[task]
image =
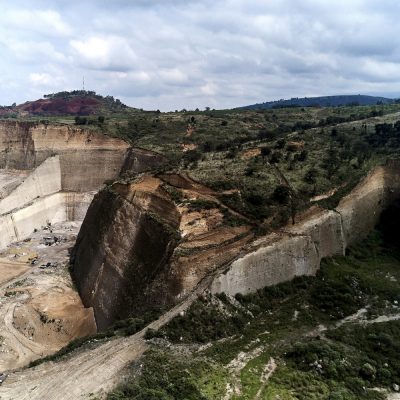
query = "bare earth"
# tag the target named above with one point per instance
(87, 373)
(40, 312)
(10, 270)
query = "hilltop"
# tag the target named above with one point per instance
(322, 101)
(74, 103)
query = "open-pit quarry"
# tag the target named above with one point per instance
(48, 177)
(143, 243)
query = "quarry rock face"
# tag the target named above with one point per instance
(51, 174)
(300, 248)
(140, 160)
(54, 171)
(128, 259)
(122, 250)
(87, 159)
(138, 251)
(281, 260)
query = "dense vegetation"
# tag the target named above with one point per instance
(324, 101)
(268, 164)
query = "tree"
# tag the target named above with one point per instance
(80, 120)
(275, 157)
(192, 156)
(265, 151)
(361, 150)
(264, 134)
(311, 176)
(302, 156)
(280, 144)
(281, 194)
(331, 162)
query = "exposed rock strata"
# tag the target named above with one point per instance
(139, 160)
(25, 145)
(58, 207)
(118, 258)
(298, 249)
(63, 166)
(127, 258)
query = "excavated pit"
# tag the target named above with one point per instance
(48, 177)
(137, 248)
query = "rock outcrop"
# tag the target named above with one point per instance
(298, 250)
(123, 248)
(87, 158)
(138, 250)
(54, 170)
(140, 160)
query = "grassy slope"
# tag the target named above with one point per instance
(337, 154)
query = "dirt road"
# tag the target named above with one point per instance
(88, 373)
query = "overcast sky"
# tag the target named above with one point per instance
(173, 54)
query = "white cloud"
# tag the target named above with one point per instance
(34, 51)
(108, 53)
(180, 54)
(39, 79)
(209, 89)
(173, 75)
(46, 22)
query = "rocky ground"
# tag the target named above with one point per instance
(40, 310)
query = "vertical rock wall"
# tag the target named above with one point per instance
(122, 250)
(43, 181)
(67, 165)
(298, 249)
(87, 158)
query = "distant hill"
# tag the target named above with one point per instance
(324, 101)
(77, 102)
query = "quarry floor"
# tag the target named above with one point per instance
(40, 311)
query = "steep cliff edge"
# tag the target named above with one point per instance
(125, 242)
(87, 158)
(138, 249)
(298, 250)
(127, 258)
